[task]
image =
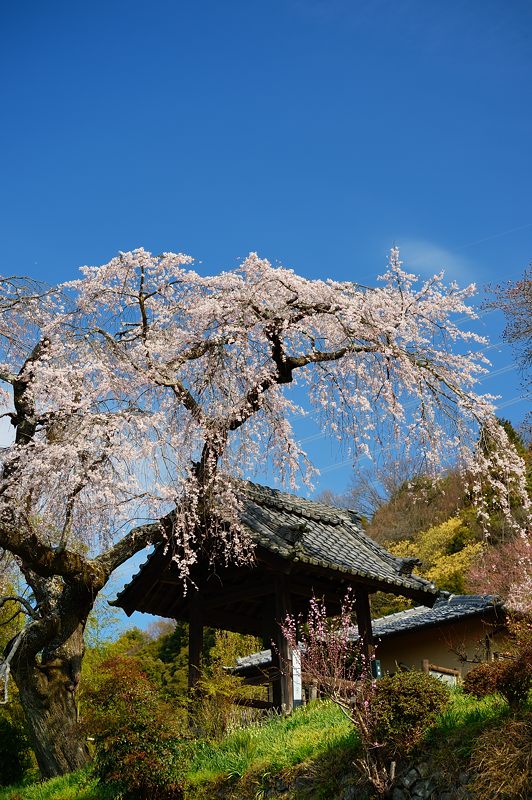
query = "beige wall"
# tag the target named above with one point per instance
(437, 644)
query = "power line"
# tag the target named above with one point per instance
(494, 236)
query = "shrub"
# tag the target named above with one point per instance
(483, 679)
(515, 680)
(403, 707)
(14, 751)
(140, 751)
(512, 679)
(214, 710)
(502, 760)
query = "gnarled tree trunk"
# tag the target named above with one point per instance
(45, 658)
(47, 689)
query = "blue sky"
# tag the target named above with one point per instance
(317, 132)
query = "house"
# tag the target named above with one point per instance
(458, 632)
(446, 640)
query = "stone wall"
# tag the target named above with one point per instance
(422, 782)
(419, 782)
(415, 782)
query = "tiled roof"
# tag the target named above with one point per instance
(447, 609)
(258, 660)
(306, 533)
(455, 607)
(309, 532)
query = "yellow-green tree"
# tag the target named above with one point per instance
(445, 551)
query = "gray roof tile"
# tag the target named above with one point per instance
(449, 609)
(314, 533)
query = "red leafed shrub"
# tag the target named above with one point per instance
(512, 679)
(483, 679)
(140, 752)
(515, 682)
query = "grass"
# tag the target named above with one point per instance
(316, 740)
(310, 736)
(280, 743)
(76, 786)
(318, 730)
(460, 724)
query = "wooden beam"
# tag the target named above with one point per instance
(195, 642)
(283, 694)
(225, 597)
(273, 562)
(365, 631)
(229, 621)
(340, 576)
(263, 679)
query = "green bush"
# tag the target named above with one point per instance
(15, 756)
(140, 752)
(404, 706)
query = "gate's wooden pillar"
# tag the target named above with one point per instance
(195, 641)
(365, 630)
(283, 690)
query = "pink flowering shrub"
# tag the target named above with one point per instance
(390, 714)
(506, 570)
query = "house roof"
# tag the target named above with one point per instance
(315, 538)
(445, 610)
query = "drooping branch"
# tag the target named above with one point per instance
(26, 607)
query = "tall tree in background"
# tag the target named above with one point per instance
(515, 299)
(136, 391)
(506, 567)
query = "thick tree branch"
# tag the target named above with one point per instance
(285, 365)
(133, 542)
(25, 418)
(7, 377)
(49, 561)
(33, 638)
(318, 357)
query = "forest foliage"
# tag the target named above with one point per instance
(436, 522)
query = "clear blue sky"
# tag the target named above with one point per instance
(318, 132)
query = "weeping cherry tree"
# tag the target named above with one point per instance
(141, 392)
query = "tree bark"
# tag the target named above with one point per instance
(46, 665)
(48, 696)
